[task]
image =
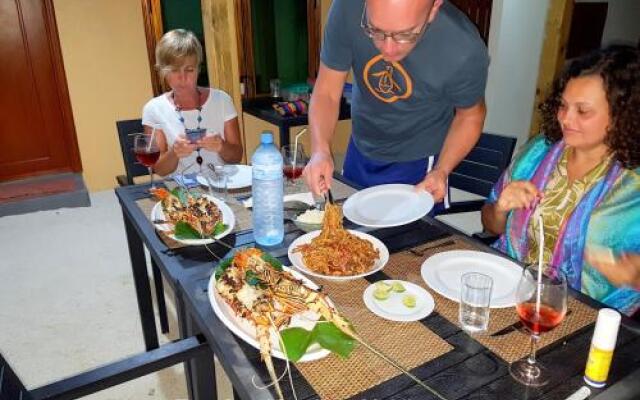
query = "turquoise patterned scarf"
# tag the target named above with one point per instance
(607, 215)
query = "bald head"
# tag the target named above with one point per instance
(397, 15)
(394, 16)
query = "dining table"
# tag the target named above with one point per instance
(435, 349)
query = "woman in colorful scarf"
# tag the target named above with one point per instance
(581, 176)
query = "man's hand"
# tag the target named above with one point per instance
(435, 183)
(319, 173)
(518, 195)
(182, 147)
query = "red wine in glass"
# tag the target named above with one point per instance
(539, 322)
(550, 296)
(148, 159)
(293, 172)
(145, 147)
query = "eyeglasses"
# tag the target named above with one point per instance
(398, 37)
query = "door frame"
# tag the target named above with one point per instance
(60, 77)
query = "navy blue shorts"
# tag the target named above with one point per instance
(367, 172)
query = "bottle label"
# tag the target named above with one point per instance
(598, 364)
(267, 172)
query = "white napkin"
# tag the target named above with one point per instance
(304, 197)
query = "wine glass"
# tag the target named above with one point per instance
(294, 162)
(541, 307)
(145, 147)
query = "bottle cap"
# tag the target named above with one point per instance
(606, 331)
(266, 137)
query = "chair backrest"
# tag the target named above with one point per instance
(484, 164)
(108, 375)
(126, 131)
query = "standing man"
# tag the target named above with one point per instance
(419, 71)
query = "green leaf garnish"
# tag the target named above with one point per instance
(277, 265)
(183, 230)
(219, 228)
(297, 340)
(253, 279)
(222, 266)
(181, 194)
(331, 338)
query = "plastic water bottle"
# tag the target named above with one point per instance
(267, 191)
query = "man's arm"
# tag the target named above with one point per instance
(323, 117)
(464, 132)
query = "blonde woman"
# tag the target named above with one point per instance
(194, 125)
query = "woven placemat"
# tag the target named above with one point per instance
(339, 190)
(511, 346)
(409, 343)
(243, 215)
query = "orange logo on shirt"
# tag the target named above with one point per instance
(388, 82)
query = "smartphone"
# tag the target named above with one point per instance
(193, 135)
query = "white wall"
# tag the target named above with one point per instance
(515, 44)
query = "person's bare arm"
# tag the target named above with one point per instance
(169, 157)
(229, 148)
(464, 132)
(323, 117)
(516, 195)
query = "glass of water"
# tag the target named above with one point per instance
(475, 300)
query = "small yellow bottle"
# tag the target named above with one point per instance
(603, 343)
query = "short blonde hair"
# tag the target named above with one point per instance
(174, 48)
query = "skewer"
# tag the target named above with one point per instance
(398, 367)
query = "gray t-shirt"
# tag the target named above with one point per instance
(402, 111)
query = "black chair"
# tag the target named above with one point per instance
(101, 378)
(480, 170)
(126, 132)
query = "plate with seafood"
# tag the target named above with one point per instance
(336, 253)
(252, 299)
(191, 218)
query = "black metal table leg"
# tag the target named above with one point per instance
(199, 371)
(143, 288)
(162, 307)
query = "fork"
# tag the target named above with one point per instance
(420, 252)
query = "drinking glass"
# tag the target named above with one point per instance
(475, 302)
(541, 307)
(145, 147)
(220, 179)
(294, 162)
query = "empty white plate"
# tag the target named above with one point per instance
(442, 273)
(393, 309)
(387, 205)
(238, 177)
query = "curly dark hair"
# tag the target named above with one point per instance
(619, 68)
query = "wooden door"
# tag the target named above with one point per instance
(37, 135)
(479, 12)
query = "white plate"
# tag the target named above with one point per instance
(298, 263)
(238, 176)
(387, 205)
(247, 332)
(227, 218)
(393, 309)
(442, 273)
